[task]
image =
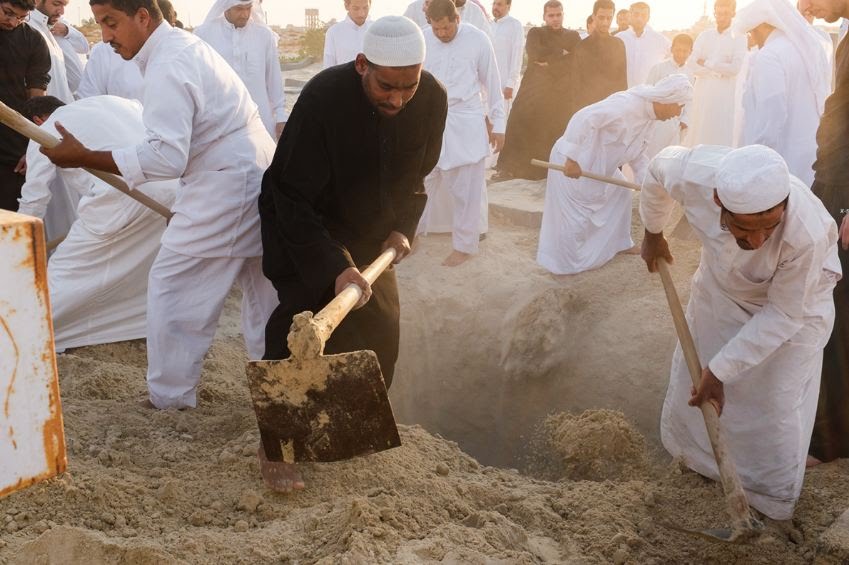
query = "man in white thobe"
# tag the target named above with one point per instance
(644, 47)
(509, 44)
(238, 34)
(108, 73)
(74, 47)
(787, 84)
(585, 223)
(46, 14)
(98, 275)
(344, 40)
(462, 58)
(470, 13)
(203, 128)
(415, 11)
(716, 62)
(760, 311)
(671, 131)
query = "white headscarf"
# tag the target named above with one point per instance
(785, 17)
(752, 179)
(221, 6)
(674, 89)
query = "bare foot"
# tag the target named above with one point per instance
(456, 258)
(277, 475)
(812, 461)
(632, 251)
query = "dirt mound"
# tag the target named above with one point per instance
(596, 445)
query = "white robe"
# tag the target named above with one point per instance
(58, 85)
(715, 100)
(202, 127)
(252, 52)
(98, 274)
(344, 41)
(585, 223)
(760, 320)
(509, 45)
(415, 12)
(780, 109)
(108, 73)
(75, 48)
(668, 132)
(467, 68)
(643, 53)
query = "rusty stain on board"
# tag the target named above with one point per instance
(52, 440)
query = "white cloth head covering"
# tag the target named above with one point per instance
(221, 6)
(752, 179)
(783, 16)
(674, 89)
(394, 41)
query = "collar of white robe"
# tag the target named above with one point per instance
(752, 179)
(394, 41)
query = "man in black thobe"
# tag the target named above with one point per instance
(24, 73)
(347, 182)
(600, 63)
(830, 438)
(543, 104)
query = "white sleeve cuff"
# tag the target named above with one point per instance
(127, 161)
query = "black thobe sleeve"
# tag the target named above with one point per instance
(38, 66)
(618, 67)
(297, 180)
(410, 204)
(539, 49)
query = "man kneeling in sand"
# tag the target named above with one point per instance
(347, 182)
(760, 310)
(98, 274)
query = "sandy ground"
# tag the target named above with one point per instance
(497, 356)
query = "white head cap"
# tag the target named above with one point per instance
(394, 41)
(674, 89)
(752, 179)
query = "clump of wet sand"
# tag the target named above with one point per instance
(595, 445)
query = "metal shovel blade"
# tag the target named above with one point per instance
(725, 535)
(329, 408)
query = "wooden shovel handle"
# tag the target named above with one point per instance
(738, 506)
(23, 126)
(593, 176)
(332, 315)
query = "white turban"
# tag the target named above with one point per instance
(783, 16)
(222, 6)
(674, 89)
(752, 179)
(394, 41)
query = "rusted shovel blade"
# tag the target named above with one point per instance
(329, 408)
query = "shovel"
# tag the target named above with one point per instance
(593, 176)
(315, 407)
(743, 525)
(23, 126)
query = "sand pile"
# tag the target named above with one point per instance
(488, 350)
(596, 445)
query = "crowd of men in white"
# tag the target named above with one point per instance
(769, 94)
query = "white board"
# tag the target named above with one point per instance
(32, 439)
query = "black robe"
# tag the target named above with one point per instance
(600, 69)
(543, 105)
(342, 179)
(831, 183)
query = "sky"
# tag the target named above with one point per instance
(666, 14)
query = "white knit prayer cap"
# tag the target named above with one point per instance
(222, 6)
(752, 179)
(784, 16)
(674, 89)
(394, 41)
